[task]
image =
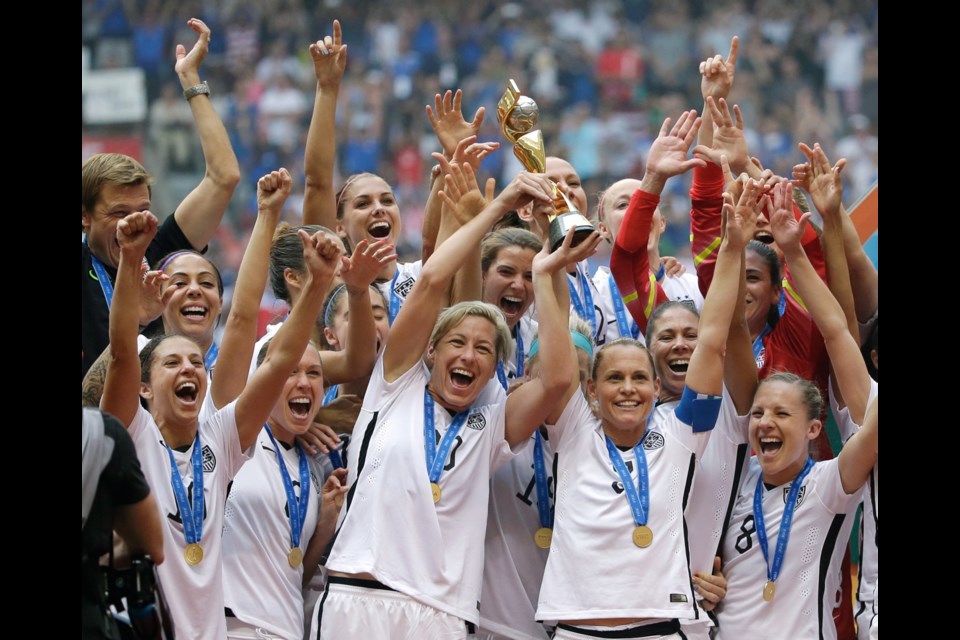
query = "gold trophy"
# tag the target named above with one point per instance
(518, 114)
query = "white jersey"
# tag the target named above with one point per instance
(593, 568)
(715, 486)
(808, 588)
(194, 592)
(399, 289)
(260, 586)
(390, 526)
(512, 563)
(684, 288)
(600, 320)
(869, 550)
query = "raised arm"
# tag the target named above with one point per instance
(240, 334)
(121, 388)
(849, 369)
(359, 353)
(542, 399)
(705, 373)
(864, 278)
(468, 281)
(451, 128)
(861, 452)
(200, 212)
(739, 365)
(629, 262)
(321, 255)
(319, 197)
(411, 330)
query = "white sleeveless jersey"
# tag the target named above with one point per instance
(512, 563)
(389, 525)
(808, 588)
(194, 593)
(594, 569)
(869, 550)
(260, 586)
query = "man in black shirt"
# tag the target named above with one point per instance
(114, 185)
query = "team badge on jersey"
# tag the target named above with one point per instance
(209, 460)
(786, 492)
(403, 288)
(653, 440)
(476, 421)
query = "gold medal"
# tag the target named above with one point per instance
(295, 557)
(435, 488)
(642, 536)
(769, 590)
(543, 537)
(193, 553)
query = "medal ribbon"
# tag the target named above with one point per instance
(297, 508)
(626, 325)
(540, 475)
(211, 358)
(330, 395)
(436, 458)
(758, 343)
(190, 514)
(639, 496)
(105, 285)
(395, 302)
(584, 307)
(334, 455)
(773, 572)
(501, 372)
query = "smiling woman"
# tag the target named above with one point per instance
(190, 461)
(429, 439)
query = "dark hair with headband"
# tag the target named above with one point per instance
(286, 252)
(165, 261)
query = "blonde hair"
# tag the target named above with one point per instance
(452, 316)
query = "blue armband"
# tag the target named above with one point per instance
(698, 410)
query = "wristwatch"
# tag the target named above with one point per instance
(198, 89)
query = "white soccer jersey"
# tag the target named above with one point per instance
(869, 551)
(683, 289)
(512, 563)
(601, 319)
(194, 592)
(390, 526)
(260, 586)
(594, 569)
(604, 301)
(715, 485)
(407, 274)
(809, 582)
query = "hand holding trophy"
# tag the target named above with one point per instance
(518, 115)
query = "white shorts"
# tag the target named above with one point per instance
(363, 609)
(237, 630)
(866, 614)
(664, 630)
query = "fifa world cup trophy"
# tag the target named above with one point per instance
(518, 115)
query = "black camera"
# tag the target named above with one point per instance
(136, 590)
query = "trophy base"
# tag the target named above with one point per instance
(561, 225)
